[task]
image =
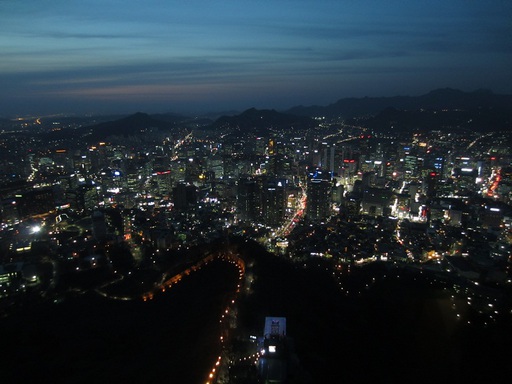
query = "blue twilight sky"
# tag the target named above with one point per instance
(113, 56)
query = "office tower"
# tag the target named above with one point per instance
(273, 202)
(35, 202)
(319, 189)
(430, 184)
(184, 196)
(376, 201)
(411, 167)
(248, 199)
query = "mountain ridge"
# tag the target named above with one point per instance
(261, 120)
(441, 98)
(131, 125)
(395, 113)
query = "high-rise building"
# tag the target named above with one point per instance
(63, 160)
(184, 196)
(35, 202)
(430, 184)
(319, 189)
(248, 199)
(410, 166)
(273, 202)
(163, 182)
(376, 201)
(273, 364)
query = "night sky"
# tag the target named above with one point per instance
(97, 56)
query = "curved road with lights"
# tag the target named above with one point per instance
(227, 319)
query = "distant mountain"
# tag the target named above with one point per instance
(260, 121)
(216, 114)
(446, 98)
(484, 119)
(135, 124)
(169, 117)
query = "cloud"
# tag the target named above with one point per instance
(236, 49)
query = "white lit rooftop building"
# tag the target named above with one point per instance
(273, 364)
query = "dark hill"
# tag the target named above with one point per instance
(169, 117)
(446, 98)
(136, 124)
(483, 120)
(261, 121)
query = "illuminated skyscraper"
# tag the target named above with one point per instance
(273, 202)
(319, 191)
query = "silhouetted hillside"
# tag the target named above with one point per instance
(474, 120)
(135, 124)
(169, 117)
(438, 99)
(260, 121)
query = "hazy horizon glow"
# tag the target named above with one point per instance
(159, 56)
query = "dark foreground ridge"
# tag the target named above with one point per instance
(90, 339)
(399, 330)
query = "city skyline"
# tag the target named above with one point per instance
(141, 249)
(201, 56)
